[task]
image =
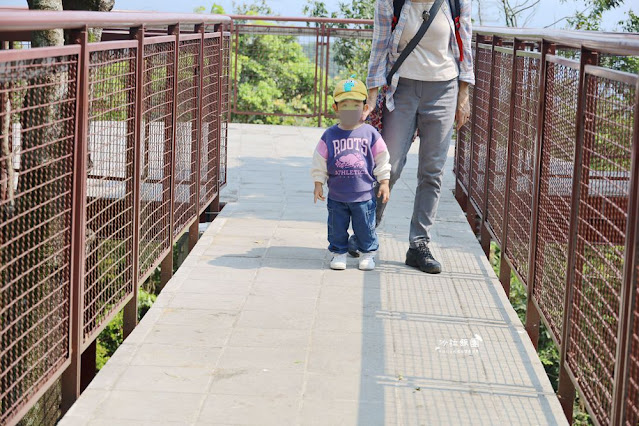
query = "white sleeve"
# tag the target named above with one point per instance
(319, 171)
(382, 168)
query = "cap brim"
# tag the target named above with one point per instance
(350, 95)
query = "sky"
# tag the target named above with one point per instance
(546, 12)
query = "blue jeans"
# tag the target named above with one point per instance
(363, 216)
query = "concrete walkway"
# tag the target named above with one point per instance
(256, 329)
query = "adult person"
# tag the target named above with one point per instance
(428, 92)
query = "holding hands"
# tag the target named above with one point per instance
(384, 191)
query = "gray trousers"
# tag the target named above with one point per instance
(429, 106)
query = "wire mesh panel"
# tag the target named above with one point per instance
(632, 397)
(109, 277)
(483, 74)
(38, 94)
(224, 107)
(210, 122)
(462, 167)
(601, 239)
(155, 191)
(555, 191)
(502, 71)
(186, 143)
(523, 158)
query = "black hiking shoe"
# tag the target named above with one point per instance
(352, 246)
(423, 259)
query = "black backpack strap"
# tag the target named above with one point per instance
(397, 10)
(454, 9)
(428, 19)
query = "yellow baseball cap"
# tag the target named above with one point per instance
(350, 89)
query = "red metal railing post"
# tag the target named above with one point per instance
(504, 268)
(215, 205)
(533, 318)
(71, 378)
(194, 229)
(468, 208)
(326, 91)
(483, 228)
(166, 268)
(130, 311)
(237, 49)
(316, 95)
(566, 391)
(630, 283)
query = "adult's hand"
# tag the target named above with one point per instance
(462, 114)
(371, 101)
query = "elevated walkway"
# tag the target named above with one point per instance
(256, 329)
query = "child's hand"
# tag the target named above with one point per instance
(384, 191)
(319, 192)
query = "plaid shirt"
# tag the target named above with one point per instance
(386, 41)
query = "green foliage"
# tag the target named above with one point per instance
(591, 17)
(109, 90)
(216, 9)
(350, 54)
(256, 7)
(275, 77)
(111, 337)
(317, 9)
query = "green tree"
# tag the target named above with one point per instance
(257, 7)
(351, 54)
(317, 9)
(275, 75)
(216, 9)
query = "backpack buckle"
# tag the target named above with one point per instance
(426, 15)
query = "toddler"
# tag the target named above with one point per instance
(350, 158)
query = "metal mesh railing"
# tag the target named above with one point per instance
(157, 147)
(631, 400)
(563, 189)
(225, 107)
(480, 136)
(186, 142)
(601, 238)
(500, 115)
(101, 163)
(556, 184)
(522, 169)
(38, 93)
(209, 153)
(462, 163)
(109, 228)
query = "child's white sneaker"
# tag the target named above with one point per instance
(367, 261)
(338, 262)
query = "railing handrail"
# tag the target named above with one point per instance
(35, 20)
(610, 42)
(31, 20)
(300, 19)
(613, 42)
